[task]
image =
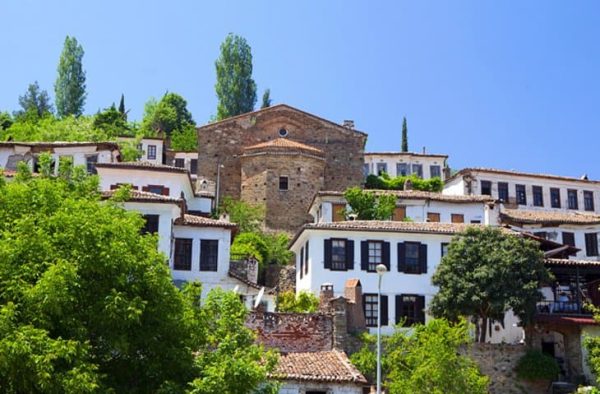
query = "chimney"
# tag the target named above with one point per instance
(325, 297)
(348, 124)
(183, 205)
(355, 316)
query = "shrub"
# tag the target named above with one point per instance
(535, 365)
(385, 182)
(304, 302)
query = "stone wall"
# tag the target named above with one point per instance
(498, 361)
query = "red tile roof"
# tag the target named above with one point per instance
(577, 320)
(143, 165)
(141, 196)
(200, 221)
(518, 173)
(419, 195)
(283, 144)
(327, 366)
(548, 217)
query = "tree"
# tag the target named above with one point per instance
(5, 121)
(248, 217)
(487, 272)
(111, 121)
(70, 82)
(87, 304)
(404, 135)
(266, 99)
(367, 206)
(167, 116)
(122, 109)
(426, 360)
(35, 104)
(303, 302)
(235, 88)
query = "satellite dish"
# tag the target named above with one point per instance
(259, 297)
(236, 289)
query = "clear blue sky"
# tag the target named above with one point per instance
(506, 84)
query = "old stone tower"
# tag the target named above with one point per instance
(280, 157)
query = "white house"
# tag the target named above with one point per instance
(151, 148)
(423, 165)
(86, 154)
(181, 159)
(416, 206)
(156, 178)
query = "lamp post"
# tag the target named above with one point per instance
(381, 269)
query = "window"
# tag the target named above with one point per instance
(572, 197)
(591, 244)
(435, 171)
(151, 152)
(402, 169)
(521, 195)
(555, 197)
(503, 191)
(568, 238)
(209, 254)
(457, 218)
(409, 309)
(194, 166)
(412, 258)
(156, 189)
(338, 214)
(538, 196)
(301, 269)
(433, 217)
(306, 258)
(366, 169)
(370, 309)
(183, 254)
(445, 248)
(180, 163)
(399, 214)
(339, 254)
(374, 253)
(486, 188)
(475, 221)
(381, 168)
(541, 234)
(417, 169)
(151, 225)
(90, 164)
(283, 183)
(588, 200)
(283, 132)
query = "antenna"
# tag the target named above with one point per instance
(259, 297)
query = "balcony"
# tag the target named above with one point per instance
(562, 308)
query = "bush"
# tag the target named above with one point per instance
(535, 365)
(304, 302)
(385, 182)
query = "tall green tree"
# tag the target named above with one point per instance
(111, 121)
(170, 116)
(235, 88)
(35, 103)
(122, 109)
(487, 272)
(404, 135)
(266, 99)
(70, 82)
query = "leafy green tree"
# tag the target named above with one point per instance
(5, 121)
(487, 272)
(248, 217)
(235, 88)
(70, 82)
(303, 302)
(426, 360)
(122, 109)
(185, 139)
(368, 206)
(111, 121)
(266, 99)
(51, 129)
(404, 135)
(35, 103)
(171, 117)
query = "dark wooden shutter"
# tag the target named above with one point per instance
(420, 313)
(144, 188)
(384, 310)
(349, 255)
(327, 253)
(364, 255)
(398, 308)
(165, 191)
(401, 257)
(301, 262)
(423, 258)
(385, 254)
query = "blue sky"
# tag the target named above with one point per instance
(508, 84)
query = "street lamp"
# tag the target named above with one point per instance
(381, 269)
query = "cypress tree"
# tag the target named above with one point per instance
(404, 136)
(122, 107)
(266, 99)
(70, 82)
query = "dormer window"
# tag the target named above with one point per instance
(283, 132)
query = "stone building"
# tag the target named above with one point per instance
(280, 156)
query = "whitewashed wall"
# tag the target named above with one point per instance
(391, 159)
(291, 387)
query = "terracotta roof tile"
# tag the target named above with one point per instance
(143, 165)
(548, 217)
(141, 196)
(327, 366)
(200, 221)
(283, 144)
(518, 173)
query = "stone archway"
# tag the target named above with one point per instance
(564, 340)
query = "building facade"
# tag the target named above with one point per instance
(394, 164)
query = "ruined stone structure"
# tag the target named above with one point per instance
(280, 157)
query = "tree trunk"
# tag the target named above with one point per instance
(483, 329)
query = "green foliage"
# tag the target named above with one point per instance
(185, 139)
(35, 104)
(424, 360)
(404, 135)
(87, 303)
(170, 117)
(51, 129)
(536, 365)
(265, 248)
(5, 120)
(303, 302)
(235, 88)
(485, 273)
(592, 344)
(122, 109)
(110, 121)
(385, 182)
(129, 149)
(266, 99)
(367, 206)
(248, 217)
(70, 82)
